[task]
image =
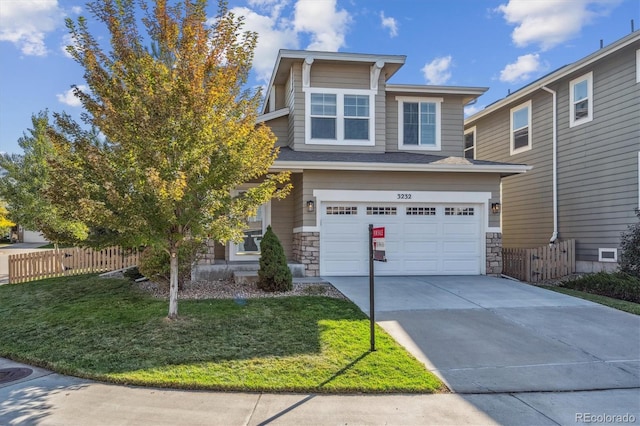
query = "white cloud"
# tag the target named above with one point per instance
(67, 40)
(26, 23)
(76, 10)
(390, 23)
(68, 98)
(326, 25)
(437, 71)
(522, 69)
(274, 33)
(548, 23)
(472, 109)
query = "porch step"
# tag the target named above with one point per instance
(245, 277)
(227, 270)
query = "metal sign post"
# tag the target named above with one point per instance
(372, 311)
(376, 252)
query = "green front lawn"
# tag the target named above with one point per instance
(621, 305)
(106, 329)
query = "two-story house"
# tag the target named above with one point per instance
(579, 127)
(363, 151)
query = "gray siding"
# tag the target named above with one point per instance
(280, 129)
(399, 181)
(527, 199)
(597, 162)
(452, 124)
(335, 76)
(298, 201)
(282, 212)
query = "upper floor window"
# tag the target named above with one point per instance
(521, 128)
(339, 116)
(581, 100)
(470, 143)
(419, 123)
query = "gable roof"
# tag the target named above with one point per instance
(557, 74)
(289, 159)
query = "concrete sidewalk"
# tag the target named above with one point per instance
(46, 398)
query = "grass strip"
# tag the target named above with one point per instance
(106, 329)
(622, 305)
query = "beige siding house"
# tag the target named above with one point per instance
(579, 127)
(363, 151)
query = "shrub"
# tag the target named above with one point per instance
(274, 273)
(630, 249)
(154, 263)
(618, 285)
(132, 273)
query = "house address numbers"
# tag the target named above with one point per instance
(403, 196)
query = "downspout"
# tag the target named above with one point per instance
(554, 236)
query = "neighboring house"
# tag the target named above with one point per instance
(363, 151)
(579, 127)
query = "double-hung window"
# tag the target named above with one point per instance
(323, 116)
(521, 128)
(419, 123)
(581, 100)
(340, 117)
(470, 143)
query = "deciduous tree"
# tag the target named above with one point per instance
(27, 177)
(178, 130)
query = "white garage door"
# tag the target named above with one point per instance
(421, 239)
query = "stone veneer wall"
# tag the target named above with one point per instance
(208, 257)
(306, 250)
(494, 253)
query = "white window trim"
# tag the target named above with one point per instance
(511, 129)
(607, 259)
(340, 93)
(475, 145)
(572, 121)
(401, 145)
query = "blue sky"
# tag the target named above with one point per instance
(500, 44)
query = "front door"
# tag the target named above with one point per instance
(249, 248)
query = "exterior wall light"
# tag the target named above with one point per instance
(311, 206)
(495, 208)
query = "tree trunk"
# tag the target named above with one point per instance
(173, 284)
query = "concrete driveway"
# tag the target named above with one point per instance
(6, 250)
(483, 335)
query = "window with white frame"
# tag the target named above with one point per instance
(521, 128)
(470, 143)
(419, 123)
(340, 117)
(581, 100)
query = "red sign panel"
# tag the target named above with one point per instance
(378, 232)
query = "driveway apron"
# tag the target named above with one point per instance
(482, 334)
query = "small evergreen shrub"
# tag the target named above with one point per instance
(274, 273)
(630, 249)
(154, 263)
(618, 285)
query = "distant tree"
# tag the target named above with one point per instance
(178, 131)
(26, 179)
(4, 217)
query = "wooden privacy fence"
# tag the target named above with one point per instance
(71, 261)
(539, 264)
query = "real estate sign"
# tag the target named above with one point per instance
(378, 244)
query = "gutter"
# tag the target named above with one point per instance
(505, 170)
(554, 236)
